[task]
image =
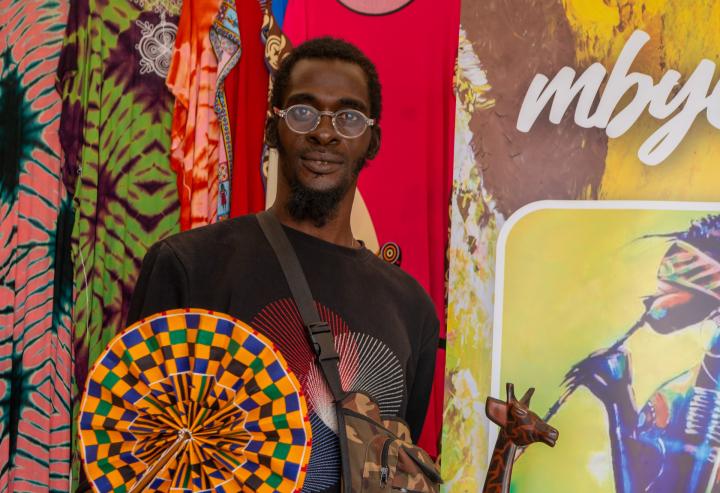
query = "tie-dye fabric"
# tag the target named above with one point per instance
(35, 292)
(225, 39)
(195, 128)
(115, 131)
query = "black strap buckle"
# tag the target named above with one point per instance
(322, 341)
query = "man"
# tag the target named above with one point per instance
(327, 104)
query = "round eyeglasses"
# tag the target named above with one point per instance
(303, 119)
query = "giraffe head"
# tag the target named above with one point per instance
(521, 425)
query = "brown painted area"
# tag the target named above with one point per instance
(515, 40)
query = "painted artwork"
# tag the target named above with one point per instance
(612, 310)
(658, 52)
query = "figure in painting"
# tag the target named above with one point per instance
(670, 444)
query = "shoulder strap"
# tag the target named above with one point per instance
(319, 332)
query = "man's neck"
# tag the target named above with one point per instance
(336, 230)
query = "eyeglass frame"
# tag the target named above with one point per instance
(369, 122)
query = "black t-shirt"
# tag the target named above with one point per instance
(384, 323)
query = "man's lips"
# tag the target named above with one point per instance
(320, 163)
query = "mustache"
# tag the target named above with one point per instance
(328, 155)
(320, 154)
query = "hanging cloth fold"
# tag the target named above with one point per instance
(115, 131)
(35, 282)
(246, 90)
(196, 134)
(225, 39)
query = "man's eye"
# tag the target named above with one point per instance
(302, 113)
(348, 116)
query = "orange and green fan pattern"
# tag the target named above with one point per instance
(197, 374)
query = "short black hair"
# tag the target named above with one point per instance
(328, 48)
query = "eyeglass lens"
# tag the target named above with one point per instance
(303, 119)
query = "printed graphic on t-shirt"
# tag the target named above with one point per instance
(366, 365)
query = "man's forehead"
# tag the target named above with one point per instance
(328, 78)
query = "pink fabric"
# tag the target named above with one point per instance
(35, 338)
(407, 187)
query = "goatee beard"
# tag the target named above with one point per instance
(318, 206)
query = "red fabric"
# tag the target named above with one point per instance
(196, 134)
(407, 187)
(246, 89)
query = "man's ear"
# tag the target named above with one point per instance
(271, 131)
(374, 146)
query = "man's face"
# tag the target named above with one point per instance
(323, 165)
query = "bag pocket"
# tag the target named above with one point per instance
(381, 462)
(413, 461)
(362, 452)
(414, 470)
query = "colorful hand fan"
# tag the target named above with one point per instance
(193, 401)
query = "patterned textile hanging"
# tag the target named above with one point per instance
(115, 131)
(277, 45)
(195, 128)
(35, 282)
(225, 39)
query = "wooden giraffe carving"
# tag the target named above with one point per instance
(519, 427)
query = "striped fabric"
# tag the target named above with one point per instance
(35, 293)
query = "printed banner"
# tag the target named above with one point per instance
(566, 101)
(611, 310)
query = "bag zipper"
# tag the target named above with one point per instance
(384, 469)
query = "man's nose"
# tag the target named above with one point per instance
(325, 132)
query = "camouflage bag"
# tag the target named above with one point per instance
(377, 452)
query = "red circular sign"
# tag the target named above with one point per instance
(375, 7)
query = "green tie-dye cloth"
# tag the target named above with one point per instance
(115, 131)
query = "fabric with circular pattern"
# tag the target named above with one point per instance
(367, 365)
(390, 252)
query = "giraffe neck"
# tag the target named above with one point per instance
(501, 463)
